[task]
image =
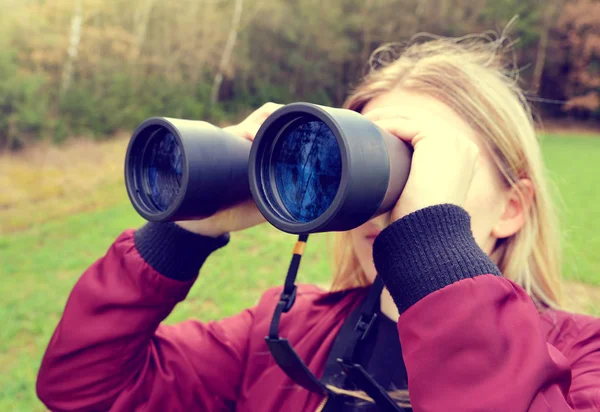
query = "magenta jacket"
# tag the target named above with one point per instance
(475, 342)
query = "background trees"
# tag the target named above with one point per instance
(73, 67)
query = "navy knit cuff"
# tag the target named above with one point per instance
(173, 251)
(426, 251)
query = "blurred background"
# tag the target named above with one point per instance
(77, 76)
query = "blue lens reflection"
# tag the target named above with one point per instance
(307, 169)
(162, 167)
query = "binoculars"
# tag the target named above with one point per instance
(309, 169)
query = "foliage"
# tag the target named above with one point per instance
(120, 103)
(577, 54)
(74, 67)
(23, 105)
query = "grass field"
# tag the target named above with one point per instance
(50, 233)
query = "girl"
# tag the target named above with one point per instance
(469, 319)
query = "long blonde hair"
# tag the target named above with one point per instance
(472, 76)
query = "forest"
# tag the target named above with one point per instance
(71, 68)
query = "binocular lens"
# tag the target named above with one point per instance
(321, 169)
(178, 169)
(162, 169)
(306, 168)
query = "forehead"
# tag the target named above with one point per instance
(422, 108)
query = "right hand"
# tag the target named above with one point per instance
(243, 215)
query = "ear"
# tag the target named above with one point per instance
(518, 202)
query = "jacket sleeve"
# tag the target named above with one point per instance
(110, 352)
(472, 340)
(584, 356)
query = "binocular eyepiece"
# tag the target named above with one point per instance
(310, 169)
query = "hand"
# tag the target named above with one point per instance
(443, 163)
(243, 215)
(250, 125)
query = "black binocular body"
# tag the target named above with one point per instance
(309, 169)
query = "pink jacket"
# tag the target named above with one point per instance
(478, 344)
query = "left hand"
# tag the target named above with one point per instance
(248, 128)
(443, 163)
(246, 214)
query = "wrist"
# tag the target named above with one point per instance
(407, 207)
(173, 251)
(428, 250)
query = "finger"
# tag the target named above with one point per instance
(384, 113)
(253, 122)
(404, 129)
(270, 106)
(252, 130)
(256, 119)
(239, 132)
(246, 130)
(266, 110)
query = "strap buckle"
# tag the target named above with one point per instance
(365, 322)
(288, 299)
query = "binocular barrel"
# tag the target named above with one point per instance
(310, 169)
(184, 170)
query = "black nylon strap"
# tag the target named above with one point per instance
(284, 354)
(346, 350)
(365, 321)
(361, 378)
(288, 360)
(354, 371)
(288, 295)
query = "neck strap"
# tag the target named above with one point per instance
(290, 362)
(282, 351)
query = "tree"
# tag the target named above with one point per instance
(228, 50)
(579, 33)
(73, 51)
(550, 14)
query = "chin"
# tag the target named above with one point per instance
(363, 248)
(371, 276)
(365, 258)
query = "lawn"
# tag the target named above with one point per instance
(574, 167)
(40, 261)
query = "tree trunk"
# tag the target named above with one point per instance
(228, 50)
(73, 50)
(420, 8)
(366, 31)
(196, 68)
(141, 18)
(540, 59)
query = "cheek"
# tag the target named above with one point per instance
(485, 203)
(361, 246)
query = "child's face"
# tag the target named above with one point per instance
(487, 198)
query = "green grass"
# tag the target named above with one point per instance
(39, 266)
(574, 166)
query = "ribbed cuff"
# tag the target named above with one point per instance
(173, 251)
(426, 251)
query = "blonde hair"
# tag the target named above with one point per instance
(472, 76)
